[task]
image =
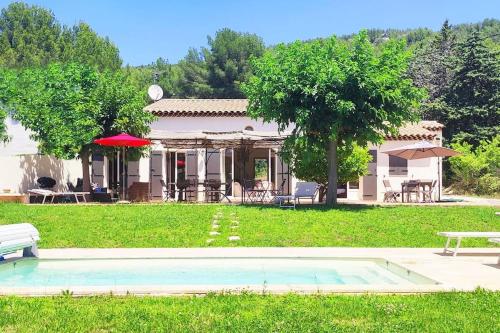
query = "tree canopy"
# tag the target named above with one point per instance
(216, 71)
(31, 36)
(334, 93)
(461, 73)
(67, 106)
(227, 61)
(308, 161)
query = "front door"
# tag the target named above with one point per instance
(369, 181)
(157, 162)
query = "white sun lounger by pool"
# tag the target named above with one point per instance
(21, 236)
(52, 194)
(458, 235)
(302, 190)
(497, 241)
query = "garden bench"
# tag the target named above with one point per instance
(458, 235)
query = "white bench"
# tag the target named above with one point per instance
(22, 236)
(458, 235)
(497, 241)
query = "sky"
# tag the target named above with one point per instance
(148, 29)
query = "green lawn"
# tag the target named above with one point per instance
(445, 312)
(171, 225)
(189, 225)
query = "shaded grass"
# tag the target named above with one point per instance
(443, 312)
(176, 225)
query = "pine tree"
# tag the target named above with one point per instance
(432, 69)
(473, 98)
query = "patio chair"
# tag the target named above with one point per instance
(188, 187)
(274, 191)
(390, 195)
(427, 193)
(307, 190)
(248, 189)
(21, 236)
(167, 191)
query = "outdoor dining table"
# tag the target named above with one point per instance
(419, 184)
(214, 192)
(257, 195)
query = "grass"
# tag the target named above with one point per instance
(174, 225)
(443, 312)
(189, 225)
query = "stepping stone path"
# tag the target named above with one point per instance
(217, 220)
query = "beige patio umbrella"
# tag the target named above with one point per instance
(423, 149)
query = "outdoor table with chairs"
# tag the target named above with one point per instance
(187, 190)
(257, 191)
(422, 189)
(411, 191)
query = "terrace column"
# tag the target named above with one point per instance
(222, 168)
(269, 160)
(202, 156)
(276, 170)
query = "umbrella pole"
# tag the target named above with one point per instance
(123, 173)
(439, 179)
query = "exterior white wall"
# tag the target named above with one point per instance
(20, 142)
(423, 169)
(21, 165)
(19, 173)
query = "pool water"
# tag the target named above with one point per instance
(204, 271)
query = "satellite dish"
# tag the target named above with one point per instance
(155, 92)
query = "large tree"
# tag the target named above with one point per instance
(193, 81)
(335, 92)
(82, 44)
(228, 61)
(32, 36)
(67, 106)
(432, 68)
(29, 36)
(307, 160)
(473, 97)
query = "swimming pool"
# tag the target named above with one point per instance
(189, 273)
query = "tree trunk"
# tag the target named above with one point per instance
(331, 194)
(84, 155)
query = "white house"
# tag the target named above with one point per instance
(210, 139)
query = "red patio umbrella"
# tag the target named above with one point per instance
(122, 140)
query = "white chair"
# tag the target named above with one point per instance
(21, 236)
(306, 190)
(390, 195)
(464, 234)
(427, 194)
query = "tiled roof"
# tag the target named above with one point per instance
(198, 107)
(172, 107)
(416, 131)
(431, 125)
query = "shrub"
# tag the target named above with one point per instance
(477, 170)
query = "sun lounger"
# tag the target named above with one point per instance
(497, 241)
(15, 237)
(302, 190)
(51, 194)
(464, 234)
